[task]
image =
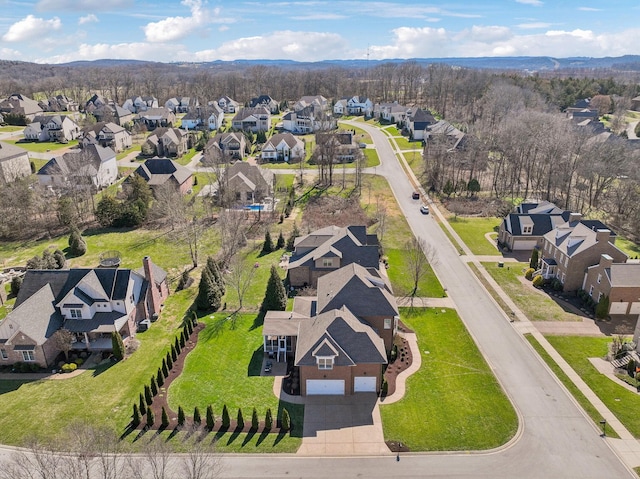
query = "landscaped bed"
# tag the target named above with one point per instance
(453, 402)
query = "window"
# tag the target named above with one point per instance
(28, 356)
(325, 362)
(599, 278)
(527, 230)
(3, 354)
(327, 262)
(591, 290)
(75, 313)
(387, 323)
(599, 296)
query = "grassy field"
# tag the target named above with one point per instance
(126, 152)
(224, 368)
(472, 231)
(623, 403)
(536, 306)
(42, 147)
(573, 389)
(405, 144)
(629, 247)
(400, 276)
(453, 402)
(11, 128)
(361, 136)
(186, 158)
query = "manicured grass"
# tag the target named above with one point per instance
(128, 151)
(361, 136)
(472, 231)
(103, 396)
(187, 157)
(453, 402)
(498, 299)
(372, 158)
(11, 128)
(414, 160)
(623, 403)
(452, 240)
(225, 368)
(405, 144)
(571, 387)
(401, 281)
(629, 247)
(536, 305)
(42, 147)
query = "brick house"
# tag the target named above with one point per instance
(620, 282)
(161, 171)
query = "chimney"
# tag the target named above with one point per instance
(606, 261)
(574, 217)
(602, 235)
(154, 296)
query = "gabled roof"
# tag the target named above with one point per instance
(573, 238)
(245, 113)
(290, 140)
(9, 151)
(85, 161)
(338, 334)
(253, 173)
(422, 116)
(157, 171)
(364, 290)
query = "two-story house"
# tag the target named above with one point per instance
(329, 249)
(166, 142)
(18, 104)
(391, 112)
(228, 105)
(252, 119)
(620, 282)
(158, 172)
(154, 118)
(265, 101)
(247, 184)
(308, 120)
(418, 121)
(108, 135)
(14, 163)
(91, 303)
(137, 104)
(283, 147)
(93, 166)
(59, 128)
(337, 146)
(225, 147)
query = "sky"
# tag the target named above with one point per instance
(59, 31)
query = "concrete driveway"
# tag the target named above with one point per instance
(343, 426)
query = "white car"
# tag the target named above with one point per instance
(424, 209)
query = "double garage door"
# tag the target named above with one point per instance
(361, 384)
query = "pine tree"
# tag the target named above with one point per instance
(533, 263)
(181, 418)
(135, 417)
(211, 420)
(197, 419)
(177, 347)
(148, 396)
(216, 274)
(183, 340)
(174, 352)
(275, 297)
(292, 237)
(209, 295)
(165, 418)
(267, 246)
(165, 368)
(143, 405)
(160, 378)
(286, 420)
(169, 361)
(268, 419)
(117, 345)
(154, 386)
(255, 422)
(240, 419)
(150, 418)
(226, 420)
(77, 244)
(280, 242)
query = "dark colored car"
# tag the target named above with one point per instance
(415, 195)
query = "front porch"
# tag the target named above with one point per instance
(549, 269)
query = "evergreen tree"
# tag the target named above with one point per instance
(268, 419)
(169, 362)
(148, 395)
(255, 423)
(216, 274)
(165, 418)
(602, 308)
(209, 296)
(143, 405)
(533, 263)
(240, 419)
(48, 261)
(292, 237)
(135, 417)
(226, 420)
(183, 340)
(165, 368)
(154, 386)
(275, 297)
(16, 283)
(448, 188)
(150, 418)
(473, 186)
(280, 242)
(267, 246)
(211, 420)
(61, 261)
(160, 378)
(77, 245)
(174, 352)
(286, 420)
(197, 419)
(117, 345)
(177, 347)
(181, 418)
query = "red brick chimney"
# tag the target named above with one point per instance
(153, 292)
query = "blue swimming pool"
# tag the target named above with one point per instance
(256, 207)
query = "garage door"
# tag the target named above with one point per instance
(522, 245)
(364, 384)
(325, 386)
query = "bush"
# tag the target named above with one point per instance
(154, 386)
(69, 367)
(197, 418)
(148, 396)
(255, 422)
(211, 420)
(117, 345)
(77, 245)
(78, 361)
(528, 274)
(538, 281)
(285, 423)
(16, 283)
(226, 420)
(384, 387)
(150, 418)
(160, 378)
(631, 368)
(268, 419)
(181, 418)
(535, 256)
(602, 308)
(165, 418)
(135, 417)
(169, 362)
(143, 405)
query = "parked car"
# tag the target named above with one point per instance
(415, 195)
(424, 209)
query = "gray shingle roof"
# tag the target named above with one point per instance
(624, 275)
(157, 171)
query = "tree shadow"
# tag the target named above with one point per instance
(250, 435)
(101, 368)
(140, 435)
(254, 368)
(214, 328)
(173, 433)
(263, 435)
(234, 435)
(258, 321)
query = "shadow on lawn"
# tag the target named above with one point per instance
(8, 385)
(255, 363)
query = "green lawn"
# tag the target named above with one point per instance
(472, 231)
(224, 368)
(536, 306)
(187, 157)
(573, 389)
(124, 153)
(453, 402)
(42, 147)
(102, 396)
(401, 281)
(623, 403)
(405, 144)
(361, 136)
(372, 157)
(11, 128)
(629, 247)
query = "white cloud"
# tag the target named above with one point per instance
(9, 54)
(31, 27)
(535, 3)
(223, 28)
(589, 9)
(164, 52)
(82, 5)
(319, 16)
(91, 18)
(289, 45)
(174, 28)
(533, 25)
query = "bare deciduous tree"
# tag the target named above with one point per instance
(418, 255)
